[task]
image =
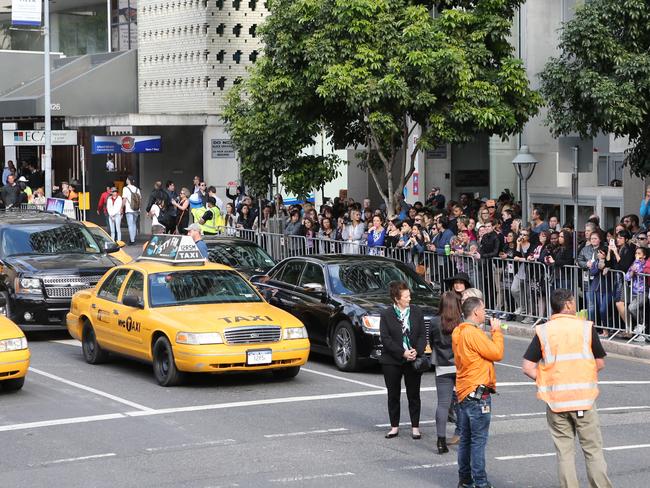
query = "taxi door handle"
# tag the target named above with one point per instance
(94, 305)
(116, 312)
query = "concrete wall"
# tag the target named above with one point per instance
(20, 67)
(218, 171)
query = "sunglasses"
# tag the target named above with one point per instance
(490, 207)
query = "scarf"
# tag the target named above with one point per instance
(405, 318)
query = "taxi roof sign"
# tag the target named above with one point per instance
(173, 250)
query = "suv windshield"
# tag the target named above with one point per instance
(240, 256)
(52, 238)
(199, 287)
(372, 277)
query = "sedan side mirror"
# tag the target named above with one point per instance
(120, 244)
(110, 247)
(132, 301)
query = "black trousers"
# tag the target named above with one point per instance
(393, 379)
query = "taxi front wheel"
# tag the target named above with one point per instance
(92, 351)
(164, 366)
(14, 384)
(286, 373)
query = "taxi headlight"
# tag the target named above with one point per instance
(13, 344)
(371, 324)
(28, 286)
(194, 338)
(294, 333)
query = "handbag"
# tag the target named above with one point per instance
(422, 364)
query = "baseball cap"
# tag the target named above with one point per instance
(23, 179)
(113, 189)
(194, 226)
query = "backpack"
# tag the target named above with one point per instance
(166, 219)
(135, 200)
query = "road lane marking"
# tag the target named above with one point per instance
(508, 365)
(91, 390)
(294, 434)
(68, 342)
(65, 421)
(82, 458)
(550, 454)
(342, 378)
(425, 466)
(220, 442)
(293, 479)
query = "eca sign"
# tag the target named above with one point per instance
(37, 137)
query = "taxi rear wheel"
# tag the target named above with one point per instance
(164, 366)
(286, 373)
(344, 347)
(92, 351)
(14, 384)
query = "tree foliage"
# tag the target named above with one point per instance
(369, 72)
(601, 81)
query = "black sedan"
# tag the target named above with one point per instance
(339, 299)
(245, 256)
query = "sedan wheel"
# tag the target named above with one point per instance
(164, 366)
(344, 347)
(92, 351)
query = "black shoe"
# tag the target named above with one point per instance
(442, 446)
(391, 435)
(469, 484)
(416, 436)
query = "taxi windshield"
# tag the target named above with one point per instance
(199, 287)
(372, 277)
(25, 239)
(240, 256)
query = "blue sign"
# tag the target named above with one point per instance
(126, 144)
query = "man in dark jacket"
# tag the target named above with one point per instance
(158, 193)
(10, 193)
(488, 248)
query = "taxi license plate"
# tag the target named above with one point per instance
(263, 356)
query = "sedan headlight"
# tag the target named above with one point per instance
(371, 324)
(30, 286)
(193, 338)
(294, 333)
(13, 344)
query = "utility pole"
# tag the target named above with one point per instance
(47, 156)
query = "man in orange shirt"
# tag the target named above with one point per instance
(475, 353)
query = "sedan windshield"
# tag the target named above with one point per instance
(199, 287)
(372, 277)
(240, 256)
(47, 239)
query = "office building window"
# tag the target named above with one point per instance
(124, 25)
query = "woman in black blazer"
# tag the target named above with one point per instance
(403, 337)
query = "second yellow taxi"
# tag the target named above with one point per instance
(14, 354)
(172, 308)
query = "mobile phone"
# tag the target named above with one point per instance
(612, 242)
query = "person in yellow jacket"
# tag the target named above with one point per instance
(475, 353)
(208, 218)
(564, 358)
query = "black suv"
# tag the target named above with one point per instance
(44, 260)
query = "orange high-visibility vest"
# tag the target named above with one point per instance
(567, 378)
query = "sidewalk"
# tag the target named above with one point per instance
(614, 346)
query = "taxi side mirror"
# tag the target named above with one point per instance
(110, 247)
(120, 244)
(132, 301)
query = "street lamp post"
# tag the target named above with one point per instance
(524, 164)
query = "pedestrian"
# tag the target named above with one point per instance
(403, 336)
(132, 200)
(458, 283)
(442, 326)
(353, 233)
(474, 354)
(155, 211)
(194, 231)
(211, 221)
(10, 192)
(564, 358)
(9, 169)
(101, 206)
(182, 211)
(114, 210)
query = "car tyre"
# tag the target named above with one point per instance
(92, 351)
(344, 347)
(164, 365)
(286, 373)
(14, 384)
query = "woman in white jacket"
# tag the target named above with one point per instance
(114, 211)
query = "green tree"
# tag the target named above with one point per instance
(373, 72)
(601, 81)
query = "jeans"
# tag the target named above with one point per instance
(131, 221)
(474, 426)
(445, 393)
(108, 223)
(116, 230)
(597, 302)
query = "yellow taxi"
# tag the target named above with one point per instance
(106, 242)
(181, 313)
(14, 355)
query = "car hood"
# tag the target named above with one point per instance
(216, 317)
(84, 263)
(376, 303)
(9, 330)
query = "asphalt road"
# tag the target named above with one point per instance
(78, 425)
